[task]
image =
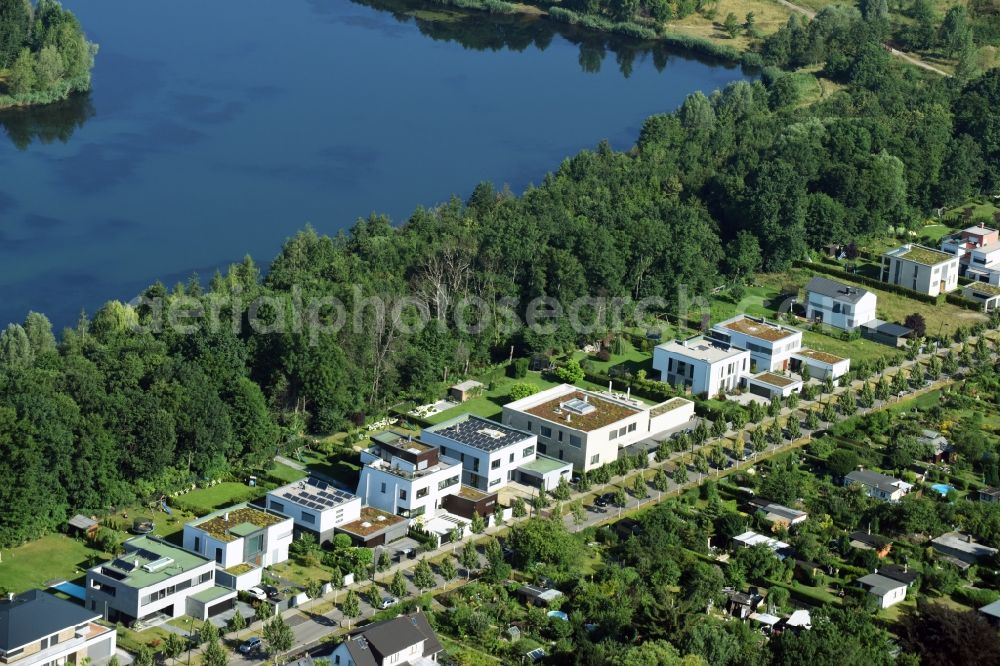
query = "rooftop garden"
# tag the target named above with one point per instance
(221, 525)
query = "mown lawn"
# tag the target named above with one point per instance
(490, 404)
(54, 557)
(206, 500)
(286, 473)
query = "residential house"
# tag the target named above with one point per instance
(990, 495)
(770, 345)
(879, 486)
(888, 591)
(242, 539)
(407, 476)
(920, 269)
(40, 629)
(588, 428)
(961, 549)
(987, 295)
(901, 574)
(821, 364)
(978, 251)
(705, 366)
(315, 506)
(492, 454)
(868, 541)
(155, 579)
(838, 305)
(777, 515)
(407, 639)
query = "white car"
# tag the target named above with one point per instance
(257, 594)
(388, 602)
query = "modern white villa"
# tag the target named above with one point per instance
(407, 477)
(315, 506)
(770, 345)
(587, 428)
(978, 252)
(153, 580)
(838, 305)
(920, 269)
(242, 539)
(490, 453)
(705, 366)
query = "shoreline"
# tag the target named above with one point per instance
(632, 30)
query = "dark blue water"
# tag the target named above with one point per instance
(217, 129)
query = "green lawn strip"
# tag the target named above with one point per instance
(206, 500)
(51, 558)
(286, 473)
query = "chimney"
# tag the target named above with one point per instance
(10, 597)
(225, 517)
(906, 567)
(569, 418)
(628, 393)
(586, 398)
(609, 386)
(968, 538)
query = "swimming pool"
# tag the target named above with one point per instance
(71, 589)
(942, 489)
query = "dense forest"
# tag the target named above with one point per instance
(44, 55)
(744, 179)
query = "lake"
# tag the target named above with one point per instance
(218, 129)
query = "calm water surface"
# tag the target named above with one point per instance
(217, 129)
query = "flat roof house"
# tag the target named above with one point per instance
(375, 528)
(778, 515)
(749, 539)
(770, 345)
(961, 549)
(242, 539)
(707, 367)
(492, 454)
(407, 639)
(987, 295)
(888, 591)
(886, 333)
(837, 304)
(587, 428)
(821, 364)
(879, 486)
(920, 269)
(772, 385)
(978, 251)
(153, 579)
(315, 506)
(40, 629)
(406, 476)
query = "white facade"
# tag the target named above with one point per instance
(40, 629)
(888, 591)
(770, 345)
(920, 269)
(490, 452)
(315, 506)
(705, 366)
(879, 486)
(241, 535)
(821, 365)
(407, 477)
(150, 578)
(839, 305)
(588, 428)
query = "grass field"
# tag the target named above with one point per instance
(286, 473)
(768, 18)
(54, 557)
(206, 500)
(489, 404)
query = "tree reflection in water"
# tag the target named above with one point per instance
(47, 123)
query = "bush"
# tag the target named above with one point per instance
(519, 368)
(521, 390)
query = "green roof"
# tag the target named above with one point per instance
(668, 406)
(543, 465)
(984, 288)
(925, 255)
(165, 560)
(211, 594)
(243, 520)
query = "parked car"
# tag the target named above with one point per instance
(604, 500)
(388, 602)
(271, 591)
(257, 594)
(250, 645)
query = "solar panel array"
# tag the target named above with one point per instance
(318, 495)
(482, 434)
